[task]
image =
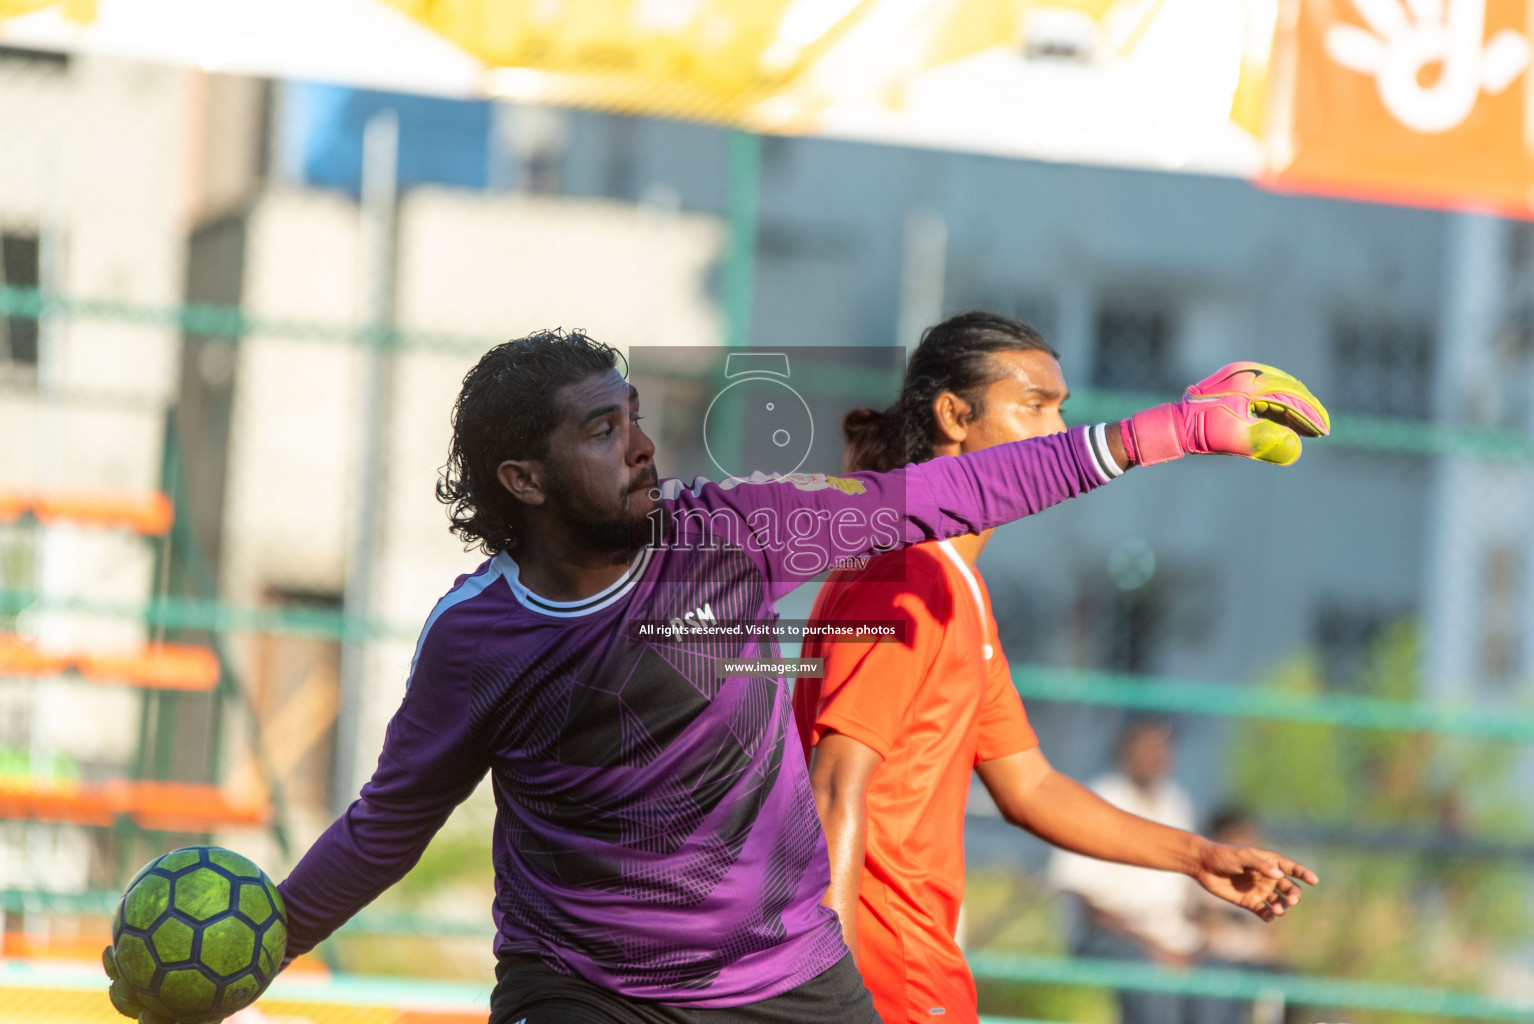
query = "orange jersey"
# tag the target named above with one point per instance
(933, 706)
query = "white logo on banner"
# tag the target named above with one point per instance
(1430, 58)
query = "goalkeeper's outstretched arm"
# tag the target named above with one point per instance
(432, 759)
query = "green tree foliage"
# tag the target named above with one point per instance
(1400, 913)
(454, 880)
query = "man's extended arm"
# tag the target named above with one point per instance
(840, 770)
(805, 523)
(431, 762)
(1061, 811)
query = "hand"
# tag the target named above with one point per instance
(122, 996)
(1245, 409)
(1259, 880)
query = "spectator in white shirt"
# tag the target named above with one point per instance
(1130, 913)
(1234, 940)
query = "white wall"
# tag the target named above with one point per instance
(477, 267)
(95, 159)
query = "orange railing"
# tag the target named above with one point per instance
(156, 806)
(155, 667)
(150, 513)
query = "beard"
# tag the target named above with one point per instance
(617, 537)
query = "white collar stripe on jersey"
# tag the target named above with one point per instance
(974, 591)
(573, 609)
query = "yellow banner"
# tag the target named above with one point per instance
(75, 10)
(1140, 82)
(760, 63)
(709, 60)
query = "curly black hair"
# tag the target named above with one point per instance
(506, 410)
(955, 356)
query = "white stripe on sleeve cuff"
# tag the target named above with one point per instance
(1097, 441)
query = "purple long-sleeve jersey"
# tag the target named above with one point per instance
(651, 836)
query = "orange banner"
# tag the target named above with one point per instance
(1423, 101)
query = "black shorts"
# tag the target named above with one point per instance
(528, 992)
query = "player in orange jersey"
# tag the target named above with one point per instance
(893, 730)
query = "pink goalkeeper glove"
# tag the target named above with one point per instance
(1245, 409)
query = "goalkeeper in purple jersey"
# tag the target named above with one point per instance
(657, 856)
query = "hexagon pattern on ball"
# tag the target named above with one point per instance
(199, 934)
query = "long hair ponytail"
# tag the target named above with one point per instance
(954, 356)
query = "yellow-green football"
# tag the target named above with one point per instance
(199, 934)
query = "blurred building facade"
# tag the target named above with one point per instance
(84, 208)
(264, 430)
(1145, 282)
(151, 186)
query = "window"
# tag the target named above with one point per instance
(1133, 627)
(19, 269)
(537, 139)
(1501, 608)
(1131, 618)
(1121, 626)
(1133, 348)
(1511, 392)
(1520, 251)
(1051, 34)
(1346, 638)
(40, 61)
(1382, 368)
(1038, 310)
(295, 694)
